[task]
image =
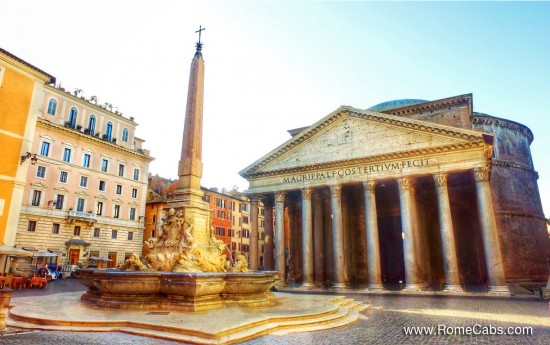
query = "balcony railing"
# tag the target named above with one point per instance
(82, 216)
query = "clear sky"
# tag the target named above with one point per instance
(273, 66)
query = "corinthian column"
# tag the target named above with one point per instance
(409, 251)
(318, 240)
(307, 239)
(280, 237)
(452, 278)
(373, 244)
(491, 244)
(268, 239)
(254, 232)
(337, 237)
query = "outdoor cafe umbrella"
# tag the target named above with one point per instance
(12, 251)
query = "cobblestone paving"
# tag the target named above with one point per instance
(383, 324)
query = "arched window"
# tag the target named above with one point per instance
(72, 117)
(91, 125)
(109, 131)
(125, 135)
(52, 106)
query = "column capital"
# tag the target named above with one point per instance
(440, 179)
(336, 191)
(317, 196)
(254, 198)
(306, 193)
(369, 186)
(280, 196)
(404, 183)
(482, 174)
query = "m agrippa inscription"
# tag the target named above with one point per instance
(360, 170)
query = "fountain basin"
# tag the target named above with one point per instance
(174, 290)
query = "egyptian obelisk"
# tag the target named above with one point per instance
(188, 195)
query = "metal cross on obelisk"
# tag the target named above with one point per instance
(199, 44)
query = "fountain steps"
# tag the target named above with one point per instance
(323, 313)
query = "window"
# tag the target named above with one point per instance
(96, 232)
(63, 176)
(76, 231)
(55, 228)
(102, 186)
(220, 203)
(40, 171)
(245, 207)
(134, 193)
(52, 106)
(45, 149)
(117, 211)
(114, 234)
(86, 160)
(94, 253)
(109, 131)
(80, 204)
(262, 224)
(67, 155)
(136, 174)
(36, 196)
(121, 170)
(245, 248)
(245, 219)
(154, 219)
(83, 181)
(246, 233)
(262, 236)
(99, 208)
(220, 231)
(230, 232)
(233, 246)
(132, 213)
(72, 117)
(91, 125)
(125, 135)
(262, 212)
(59, 201)
(130, 235)
(104, 165)
(119, 189)
(31, 226)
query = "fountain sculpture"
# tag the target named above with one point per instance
(186, 268)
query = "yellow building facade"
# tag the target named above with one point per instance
(21, 94)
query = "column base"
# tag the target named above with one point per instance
(307, 285)
(453, 288)
(339, 285)
(503, 290)
(280, 284)
(414, 287)
(376, 286)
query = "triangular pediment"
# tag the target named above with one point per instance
(349, 134)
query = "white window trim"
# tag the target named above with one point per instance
(76, 204)
(48, 106)
(42, 196)
(45, 172)
(65, 197)
(90, 161)
(87, 181)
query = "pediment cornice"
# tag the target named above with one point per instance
(466, 139)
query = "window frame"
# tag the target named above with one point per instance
(50, 102)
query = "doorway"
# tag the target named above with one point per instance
(74, 256)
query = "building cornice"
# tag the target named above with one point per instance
(508, 164)
(25, 66)
(433, 105)
(485, 119)
(78, 135)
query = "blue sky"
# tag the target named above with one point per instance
(273, 66)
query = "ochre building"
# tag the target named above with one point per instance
(427, 194)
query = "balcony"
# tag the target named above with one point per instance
(89, 218)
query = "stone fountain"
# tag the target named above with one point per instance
(186, 268)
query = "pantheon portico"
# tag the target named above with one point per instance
(370, 198)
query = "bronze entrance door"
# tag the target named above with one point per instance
(112, 256)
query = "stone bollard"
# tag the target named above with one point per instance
(5, 298)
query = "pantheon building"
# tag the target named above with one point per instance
(427, 194)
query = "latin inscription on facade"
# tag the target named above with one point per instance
(361, 170)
